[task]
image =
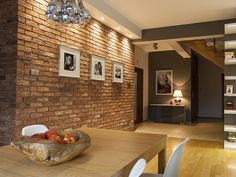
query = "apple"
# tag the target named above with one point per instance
(51, 134)
(72, 139)
(38, 136)
(59, 140)
(69, 138)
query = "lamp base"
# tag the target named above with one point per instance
(178, 101)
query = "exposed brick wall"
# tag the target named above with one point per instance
(62, 102)
(8, 32)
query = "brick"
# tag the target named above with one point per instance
(36, 115)
(44, 109)
(43, 89)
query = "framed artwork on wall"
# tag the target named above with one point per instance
(164, 82)
(229, 55)
(97, 71)
(69, 62)
(118, 72)
(229, 89)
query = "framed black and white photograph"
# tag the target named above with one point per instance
(118, 72)
(97, 71)
(229, 89)
(164, 82)
(69, 62)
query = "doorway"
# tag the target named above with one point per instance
(138, 117)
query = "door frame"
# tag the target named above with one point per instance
(194, 86)
(139, 96)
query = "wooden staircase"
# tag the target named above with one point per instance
(212, 52)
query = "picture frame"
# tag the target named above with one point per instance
(69, 62)
(97, 68)
(229, 55)
(229, 89)
(117, 72)
(164, 82)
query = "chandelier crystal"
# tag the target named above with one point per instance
(68, 12)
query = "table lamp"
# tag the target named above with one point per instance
(178, 95)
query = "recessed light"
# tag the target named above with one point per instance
(102, 18)
(118, 28)
(130, 35)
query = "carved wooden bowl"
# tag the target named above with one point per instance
(47, 152)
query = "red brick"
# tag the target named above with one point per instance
(44, 109)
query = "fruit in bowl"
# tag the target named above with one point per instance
(38, 136)
(69, 138)
(52, 148)
(59, 138)
(51, 134)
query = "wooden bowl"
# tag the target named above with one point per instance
(48, 152)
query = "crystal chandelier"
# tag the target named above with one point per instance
(68, 11)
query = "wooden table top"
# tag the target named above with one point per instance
(112, 154)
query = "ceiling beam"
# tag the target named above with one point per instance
(184, 31)
(179, 49)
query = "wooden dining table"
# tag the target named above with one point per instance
(112, 154)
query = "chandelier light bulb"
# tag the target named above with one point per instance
(68, 12)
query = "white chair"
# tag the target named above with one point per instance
(33, 129)
(172, 167)
(138, 168)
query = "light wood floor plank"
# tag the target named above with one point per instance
(201, 158)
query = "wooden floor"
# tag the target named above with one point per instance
(201, 158)
(204, 129)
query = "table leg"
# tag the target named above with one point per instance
(162, 161)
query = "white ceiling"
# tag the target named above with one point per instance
(161, 46)
(161, 13)
(112, 18)
(131, 16)
(165, 46)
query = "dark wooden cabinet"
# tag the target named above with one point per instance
(167, 113)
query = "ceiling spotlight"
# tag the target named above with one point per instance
(118, 28)
(130, 35)
(102, 18)
(155, 46)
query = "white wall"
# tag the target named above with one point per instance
(141, 61)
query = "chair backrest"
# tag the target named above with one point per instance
(172, 167)
(138, 168)
(33, 129)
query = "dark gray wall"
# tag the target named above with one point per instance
(181, 76)
(183, 31)
(210, 98)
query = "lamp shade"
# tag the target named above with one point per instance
(178, 94)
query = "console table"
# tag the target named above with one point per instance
(167, 113)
